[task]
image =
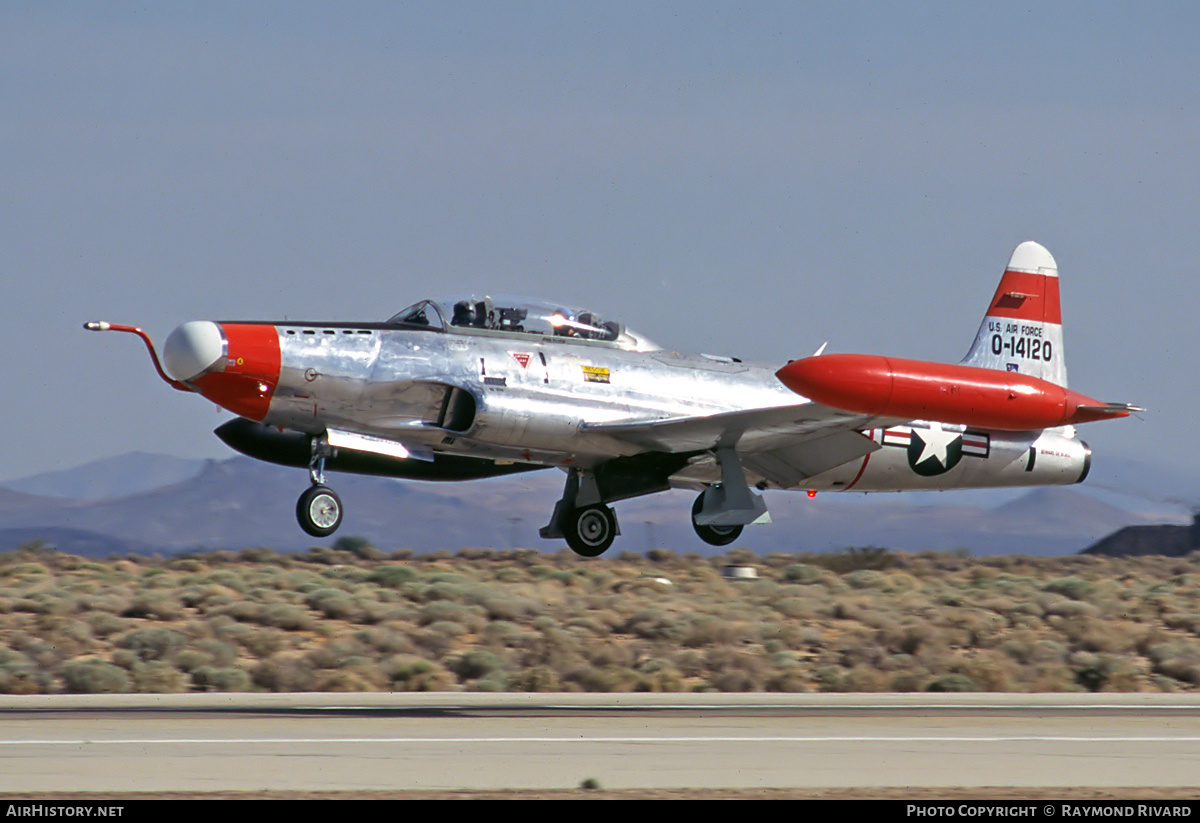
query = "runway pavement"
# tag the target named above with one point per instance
(396, 742)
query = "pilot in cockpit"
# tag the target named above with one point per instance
(464, 314)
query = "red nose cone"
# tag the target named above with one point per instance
(250, 370)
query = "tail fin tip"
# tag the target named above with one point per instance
(1032, 257)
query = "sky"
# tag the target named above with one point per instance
(750, 179)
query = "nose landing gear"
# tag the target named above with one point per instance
(319, 509)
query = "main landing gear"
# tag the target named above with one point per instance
(319, 509)
(713, 535)
(582, 518)
(590, 530)
(723, 509)
(585, 520)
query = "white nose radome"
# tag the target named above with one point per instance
(194, 348)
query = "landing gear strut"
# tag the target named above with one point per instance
(319, 509)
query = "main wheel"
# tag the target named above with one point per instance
(590, 530)
(713, 535)
(319, 511)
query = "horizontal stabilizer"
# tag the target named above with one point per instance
(1105, 411)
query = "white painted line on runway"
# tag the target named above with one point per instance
(214, 741)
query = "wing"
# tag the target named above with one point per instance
(783, 444)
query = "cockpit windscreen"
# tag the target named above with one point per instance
(508, 316)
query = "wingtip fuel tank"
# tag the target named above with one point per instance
(971, 396)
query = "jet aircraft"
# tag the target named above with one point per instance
(476, 387)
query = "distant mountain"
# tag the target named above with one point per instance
(1060, 510)
(240, 503)
(1041, 521)
(74, 541)
(1149, 488)
(111, 477)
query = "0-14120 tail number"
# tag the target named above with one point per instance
(1030, 348)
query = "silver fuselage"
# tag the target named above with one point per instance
(551, 401)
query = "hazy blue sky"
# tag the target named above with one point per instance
(750, 179)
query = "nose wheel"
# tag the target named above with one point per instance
(319, 511)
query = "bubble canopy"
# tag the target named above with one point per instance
(519, 318)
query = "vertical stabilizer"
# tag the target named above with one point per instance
(1022, 330)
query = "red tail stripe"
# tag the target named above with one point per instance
(1025, 296)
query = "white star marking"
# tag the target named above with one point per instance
(937, 441)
